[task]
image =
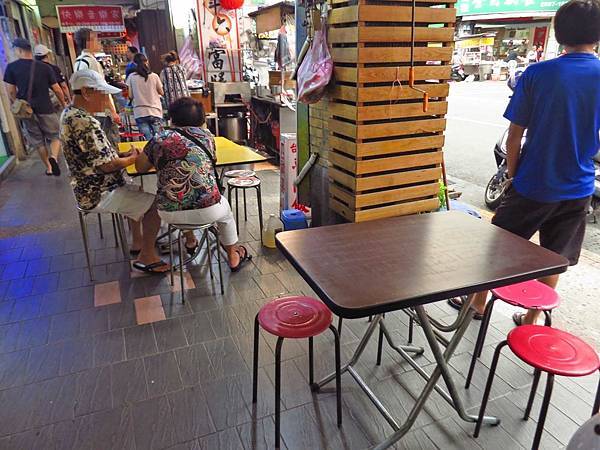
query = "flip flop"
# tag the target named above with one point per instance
(49, 174)
(457, 302)
(191, 250)
(247, 257)
(55, 167)
(150, 268)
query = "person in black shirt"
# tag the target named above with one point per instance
(41, 53)
(43, 127)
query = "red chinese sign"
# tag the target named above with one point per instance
(106, 19)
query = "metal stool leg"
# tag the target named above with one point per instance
(255, 360)
(171, 260)
(596, 406)
(338, 374)
(209, 253)
(543, 412)
(123, 237)
(379, 345)
(260, 211)
(114, 224)
(86, 244)
(311, 364)
(485, 323)
(278, 392)
(181, 259)
(339, 327)
(219, 260)
(411, 324)
(245, 207)
(488, 387)
(237, 211)
(100, 226)
(536, 379)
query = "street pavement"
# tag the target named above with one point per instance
(475, 123)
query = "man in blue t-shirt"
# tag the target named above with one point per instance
(558, 103)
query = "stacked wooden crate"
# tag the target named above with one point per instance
(385, 151)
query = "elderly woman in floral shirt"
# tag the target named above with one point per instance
(188, 189)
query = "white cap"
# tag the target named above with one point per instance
(91, 79)
(41, 50)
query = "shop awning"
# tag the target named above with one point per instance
(103, 19)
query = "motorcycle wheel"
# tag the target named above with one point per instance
(494, 193)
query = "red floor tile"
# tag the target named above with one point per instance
(149, 309)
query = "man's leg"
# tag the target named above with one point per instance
(43, 152)
(55, 148)
(136, 234)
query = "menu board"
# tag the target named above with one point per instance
(479, 7)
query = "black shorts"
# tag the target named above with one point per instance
(561, 224)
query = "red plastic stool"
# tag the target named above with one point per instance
(547, 350)
(295, 318)
(131, 136)
(529, 295)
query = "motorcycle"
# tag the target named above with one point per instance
(458, 73)
(499, 183)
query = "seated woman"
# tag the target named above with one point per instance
(188, 190)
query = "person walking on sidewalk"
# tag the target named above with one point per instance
(558, 103)
(41, 53)
(173, 78)
(145, 90)
(31, 81)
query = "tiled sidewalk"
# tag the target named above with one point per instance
(124, 364)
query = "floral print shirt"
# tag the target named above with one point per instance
(86, 147)
(174, 83)
(186, 177)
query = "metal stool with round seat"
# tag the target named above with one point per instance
(529, 295)
(548, 350)
(244, 183)
(294, 317)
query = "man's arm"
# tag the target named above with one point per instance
(59, 94)
(513, 148)
(12, 91)
(65, 90)
(120, 163)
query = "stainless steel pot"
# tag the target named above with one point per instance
(234, 128)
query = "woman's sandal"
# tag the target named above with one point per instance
(457, 303)
(518, 318)
(151, 268)
(246, 257)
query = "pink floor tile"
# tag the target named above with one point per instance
(188, 282)
(107, 293)
(149, 309)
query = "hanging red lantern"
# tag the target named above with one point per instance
(231, 4)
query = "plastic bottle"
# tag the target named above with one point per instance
(273, 223)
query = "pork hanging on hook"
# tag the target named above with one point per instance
(316, 69)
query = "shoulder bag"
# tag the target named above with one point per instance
(212, 159)
(20, 108)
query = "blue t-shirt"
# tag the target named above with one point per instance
(129, 68)
(558, 101)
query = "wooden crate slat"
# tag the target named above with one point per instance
(347, 14)
(349, 74)
(384, 13)
(342, 178)
(378, 165)
(373, 55)
(390, 180)
(389, 74)
(343, 128)
(385, 130)
(342, 161)
(396, 145)
(341, 92)
(389, 111)
(343, 195)
(392, 195)
(341, 209)
(343, 145)
(401, 209)
(351, 35)
(385, 93)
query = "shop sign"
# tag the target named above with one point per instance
(478, 7)
(475, 42)
(105, 19)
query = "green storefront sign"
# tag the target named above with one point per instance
(478, 7)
